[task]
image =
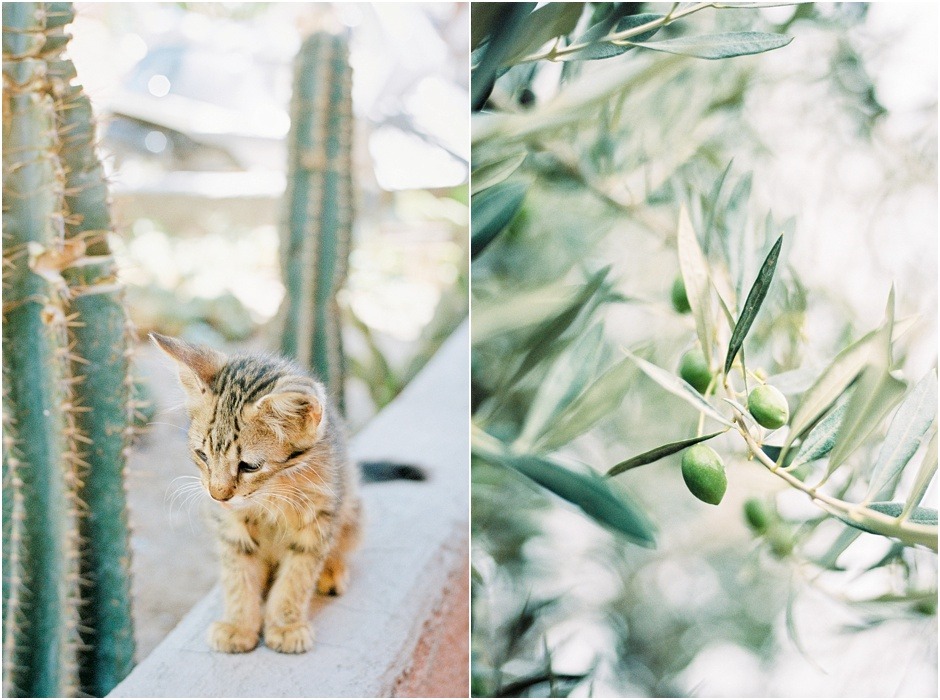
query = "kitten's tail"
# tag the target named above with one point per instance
(390, 471)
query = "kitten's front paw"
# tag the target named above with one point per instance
(289, 639)
(333, 579)
(232, 639)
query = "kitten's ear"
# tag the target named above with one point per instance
(296, 411)
(198, 366)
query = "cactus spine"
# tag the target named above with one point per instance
(67, 625)
(318, 228)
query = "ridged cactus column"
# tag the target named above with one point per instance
(99, 337)
(318, 227)
(67, 398)
(41, 596)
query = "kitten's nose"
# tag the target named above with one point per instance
(221, 494)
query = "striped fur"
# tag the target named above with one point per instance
(271, 452)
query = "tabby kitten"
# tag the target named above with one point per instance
(271, 451)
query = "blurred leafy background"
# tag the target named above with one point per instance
(193, 102)
(583, 153)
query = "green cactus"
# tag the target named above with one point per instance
(318, 227)
(99, 336)
(39, 612)
(67, 625)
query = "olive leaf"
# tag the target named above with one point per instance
(926, 472)
(542, 341)
(753, 303)
(547, 22)
(873, 397)
(875, 393)
(484, 18)
(906, 432)
(488, 174)
(595, 49)
(679, 387)
(493, 210)
(821, 438)
(830, 558)
(658, 453)
(919, 516)
(695, 275)
(836, 378)
(566, 379)
(505, 23)
(594, 495)
(716, 46)
(600, 399)
(712, 199)
(494, 317)
(569, 104)
(725, 309)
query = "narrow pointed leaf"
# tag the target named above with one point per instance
(830, 385)
(753, 303)
(924, 475)
(924, 519)
(493, 210)
(741, 409)
(493, 317)
(505, 26)
(658, 453)
(713, 198)
(494, 172)
(725, 309)
(876, 393)
(821, 438)
(695, 275)
(594, 495)
(547, 22)
(677, 386)
(600, 399)
(906, 432)
(567, 378)
(830, 559)
(604, 49)
(542, 341)
(716, 46)
(918, 516)
(836, 378)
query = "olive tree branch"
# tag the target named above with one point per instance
(907, 532)
(554, 52)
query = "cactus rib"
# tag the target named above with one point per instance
(318, 228)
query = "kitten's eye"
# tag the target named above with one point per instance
(202, 455)
(294, 455)
(245, 467)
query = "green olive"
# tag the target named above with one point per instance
(694, 369)
(680, 299)
(768, 406)
(704, 474)
(780, 541)
(756, 515)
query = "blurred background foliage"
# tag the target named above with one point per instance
(193, 102)
(583, 153)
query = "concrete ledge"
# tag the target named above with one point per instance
(402, 629)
